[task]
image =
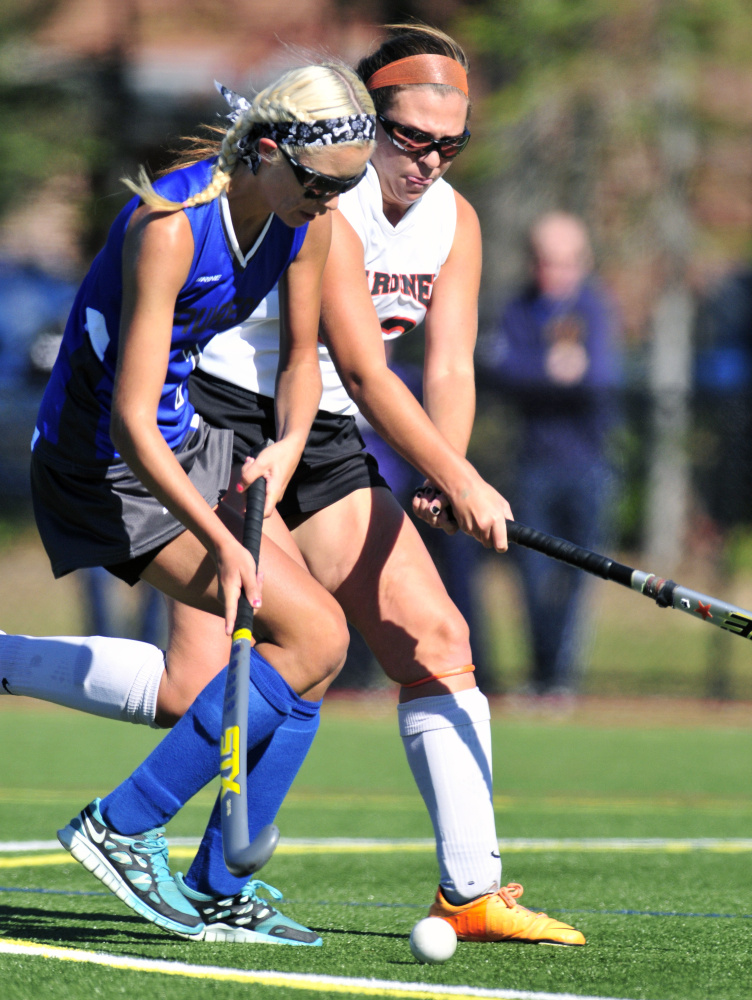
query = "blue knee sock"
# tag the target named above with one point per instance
(188, 756)
(272, 767)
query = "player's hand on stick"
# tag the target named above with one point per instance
(481, 511)
(276, 463)
(432, 506)
(236, 570)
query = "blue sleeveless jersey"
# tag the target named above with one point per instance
(73, 425)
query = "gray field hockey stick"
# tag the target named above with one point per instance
(241, 856)
(665, 593)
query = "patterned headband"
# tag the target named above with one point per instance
(326, 132)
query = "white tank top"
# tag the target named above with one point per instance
(402, 262)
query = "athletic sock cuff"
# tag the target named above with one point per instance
(141, 706)
(146, 796)
(443, 711)
(306, 711)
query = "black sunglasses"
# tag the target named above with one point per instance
(411, 140)
(317, 185)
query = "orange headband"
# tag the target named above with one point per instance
(420, 69)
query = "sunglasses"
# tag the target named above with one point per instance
(317, 185)
(411, 140)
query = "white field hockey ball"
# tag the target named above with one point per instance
(433, 940)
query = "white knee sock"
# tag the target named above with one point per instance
(114, 678)
(447, 739)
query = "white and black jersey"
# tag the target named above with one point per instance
(402, 263)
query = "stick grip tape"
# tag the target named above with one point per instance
(568, 552)
(252, 527)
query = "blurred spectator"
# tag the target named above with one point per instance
(33, 306)
(104, 597)
(723, 378)
(723, 443)
(31, 301)
(554, 357)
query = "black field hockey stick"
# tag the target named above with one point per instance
(241, 856)
(665, 593)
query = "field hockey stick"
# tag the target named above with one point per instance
(241, 856)
(665, 593)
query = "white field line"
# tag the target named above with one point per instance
(291, 980)
(346, 845)
(43, 853)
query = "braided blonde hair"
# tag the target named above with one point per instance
(305, 94)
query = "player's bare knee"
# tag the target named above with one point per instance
(332, 649)
(450, 638)
(337, 655)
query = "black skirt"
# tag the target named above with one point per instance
(334, 462)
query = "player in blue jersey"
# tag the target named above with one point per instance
(125, 474)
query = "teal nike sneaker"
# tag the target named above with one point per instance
(247, 918)
(136, 869)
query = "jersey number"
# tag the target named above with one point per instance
(396, 326)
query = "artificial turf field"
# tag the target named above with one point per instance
(638, 819)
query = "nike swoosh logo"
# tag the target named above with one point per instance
(5, 685)
(495, 854)
(96, 835)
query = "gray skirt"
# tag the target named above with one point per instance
(105, 517)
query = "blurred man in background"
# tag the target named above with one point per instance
(553, 356)
(722, 456)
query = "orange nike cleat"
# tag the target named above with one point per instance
(498, 916)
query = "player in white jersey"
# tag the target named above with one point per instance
(407, 244)
(402, 263)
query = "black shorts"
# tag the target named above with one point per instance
(334, 462)
(105, 516)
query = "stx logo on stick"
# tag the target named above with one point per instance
(738, 624)
(229, 751)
